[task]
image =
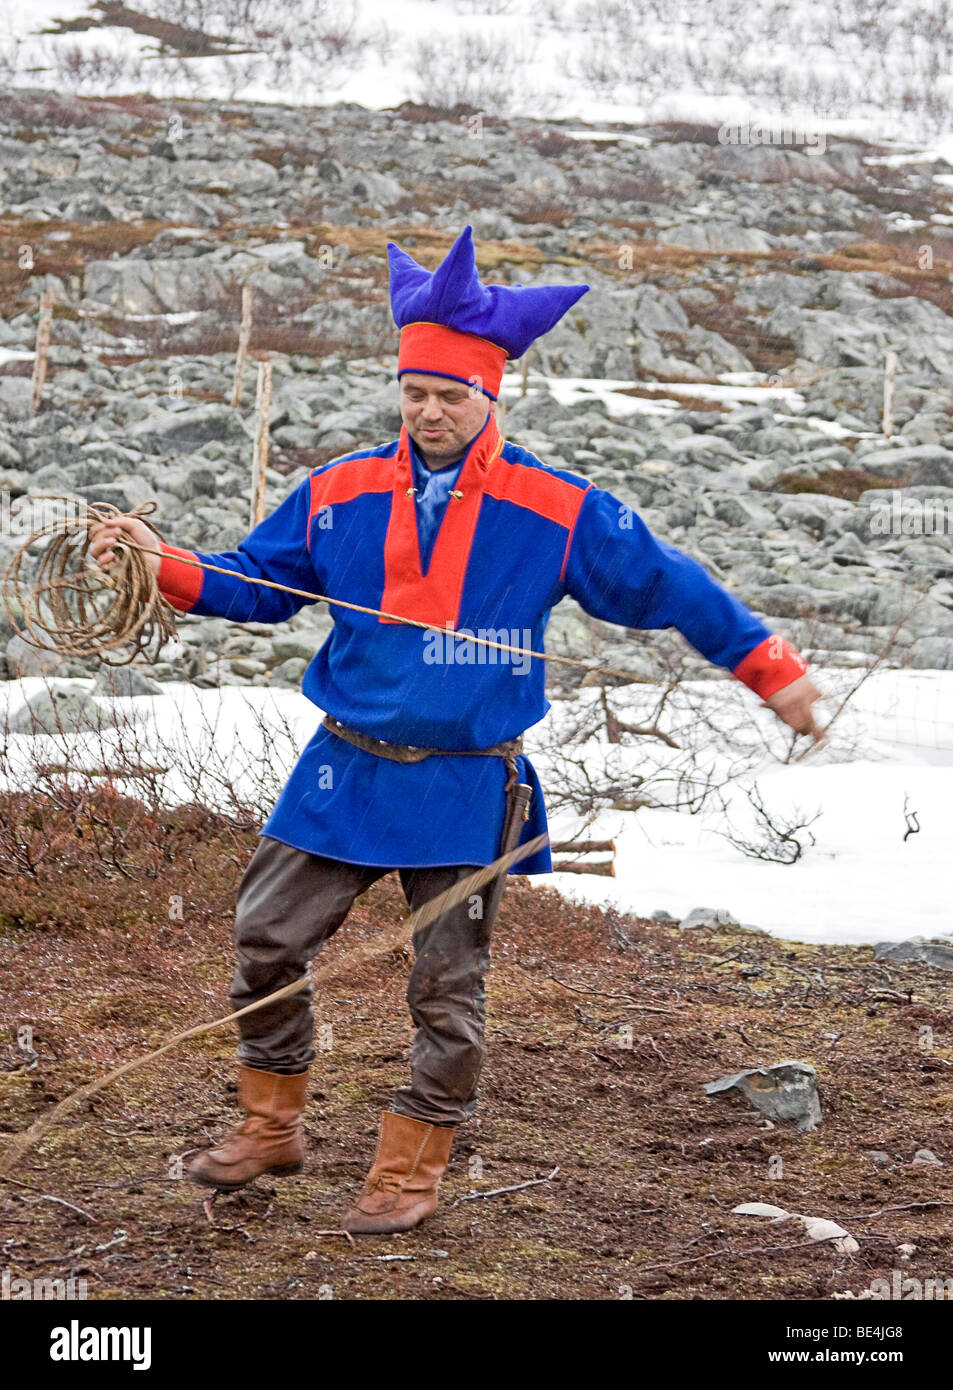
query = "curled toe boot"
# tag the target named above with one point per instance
(269, 1140)
(401, 1188)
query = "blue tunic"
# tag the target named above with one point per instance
(515, 539)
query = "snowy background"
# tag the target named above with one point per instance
(881, 69)
(861, 880)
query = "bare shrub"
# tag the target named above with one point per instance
(876, 58)
(673, 722)
(675, 739)
(82, 68)
(102, 797)
(487, 7)
(551, 143)
(776, 838)
(462, 71)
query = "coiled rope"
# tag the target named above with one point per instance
(78, 609)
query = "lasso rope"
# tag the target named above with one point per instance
(80, 611)
(430, 911)
(77, 608)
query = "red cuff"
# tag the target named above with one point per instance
(771, 666)
(179, 584)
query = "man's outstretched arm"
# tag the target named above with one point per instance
(619, 572)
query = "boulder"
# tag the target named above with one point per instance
(119, 681)
(294, 649)
(172, 431)
(63, 709)
(23, 659)
(815, 513)
(921, 463)
(716, 236)
(289, 672)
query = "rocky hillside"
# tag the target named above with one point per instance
(790, 269)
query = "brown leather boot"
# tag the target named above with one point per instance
(401, 1188)
(268, 1141)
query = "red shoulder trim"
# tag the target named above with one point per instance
(770, 666)
(571, 533)
(348, 480)
(537, 491)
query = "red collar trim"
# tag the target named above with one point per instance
(434, 597)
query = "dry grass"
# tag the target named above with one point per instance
(652, 393)
(847, 483)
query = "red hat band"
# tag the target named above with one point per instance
(440, 351)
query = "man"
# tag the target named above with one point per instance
(451, 527)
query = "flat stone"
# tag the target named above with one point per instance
(786, 1091)
(916, 950)
(248, 666)
(710, 917)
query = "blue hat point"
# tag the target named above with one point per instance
(512, 316)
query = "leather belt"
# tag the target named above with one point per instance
(409, 753)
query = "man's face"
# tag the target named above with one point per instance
(441, 415)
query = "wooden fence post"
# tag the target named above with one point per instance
(42, 346)
(890, 371)
(244, 338)
(260, 455)
(525, 372)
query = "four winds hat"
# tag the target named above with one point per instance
(452, 325)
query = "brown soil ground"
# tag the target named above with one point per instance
(649, 1167)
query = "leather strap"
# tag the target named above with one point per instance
(408, 753)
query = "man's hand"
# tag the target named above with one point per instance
(104, 535)
(793, 706)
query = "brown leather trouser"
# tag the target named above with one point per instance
(290, 903)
